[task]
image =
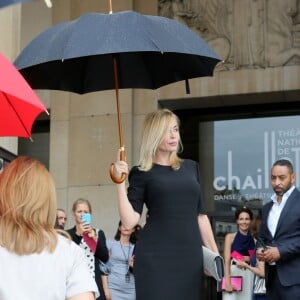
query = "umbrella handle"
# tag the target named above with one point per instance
(111, 170)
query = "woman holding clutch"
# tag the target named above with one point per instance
(168, 263)
(257, 267)
(239, 246)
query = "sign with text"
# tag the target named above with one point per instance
(244, 151)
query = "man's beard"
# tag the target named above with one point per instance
(281, 192)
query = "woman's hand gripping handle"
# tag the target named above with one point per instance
(119, 170)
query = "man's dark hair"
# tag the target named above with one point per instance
(284, 163)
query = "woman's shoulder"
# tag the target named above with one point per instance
(66, 246)
(137, 175)
(190, 165)
(69, 251)
(189, 162)
(112, 241)
(134, 170)
(71, 231)
(230, 236)
(73, 262)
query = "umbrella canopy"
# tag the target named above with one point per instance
(151, 52)
(115, 51)
(19, 105)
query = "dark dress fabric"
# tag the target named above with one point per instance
(100, 254)
(243, 243)
(168, 255)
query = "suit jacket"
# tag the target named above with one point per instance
(286, 239)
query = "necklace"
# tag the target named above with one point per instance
(127, 275)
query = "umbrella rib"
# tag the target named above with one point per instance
(22, 123)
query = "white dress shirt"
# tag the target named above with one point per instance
(276, 210)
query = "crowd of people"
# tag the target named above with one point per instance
(161, 260)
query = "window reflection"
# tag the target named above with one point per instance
(236, 156)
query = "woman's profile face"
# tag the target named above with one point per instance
(81, 208)
(243, 221)
(170, 140)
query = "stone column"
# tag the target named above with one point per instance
(10, 46)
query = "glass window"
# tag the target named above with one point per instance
(243, 153)
(236, 156)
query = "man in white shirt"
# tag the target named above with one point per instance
(280, 232)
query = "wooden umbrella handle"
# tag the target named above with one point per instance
(111, 170)
(122, 150)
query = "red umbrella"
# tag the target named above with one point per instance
(19, 105)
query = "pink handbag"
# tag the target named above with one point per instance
(236, 282)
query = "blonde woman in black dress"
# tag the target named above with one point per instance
(168, 256)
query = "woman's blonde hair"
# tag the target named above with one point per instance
(155, 127)
(27, 207)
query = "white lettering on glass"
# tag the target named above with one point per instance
(273, 149)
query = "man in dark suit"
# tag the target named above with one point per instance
(280, 235)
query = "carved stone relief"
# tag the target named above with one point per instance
(245, 33)
(283, 28)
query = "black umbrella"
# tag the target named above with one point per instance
(115, 51)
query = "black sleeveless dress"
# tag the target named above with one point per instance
(168, 256)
